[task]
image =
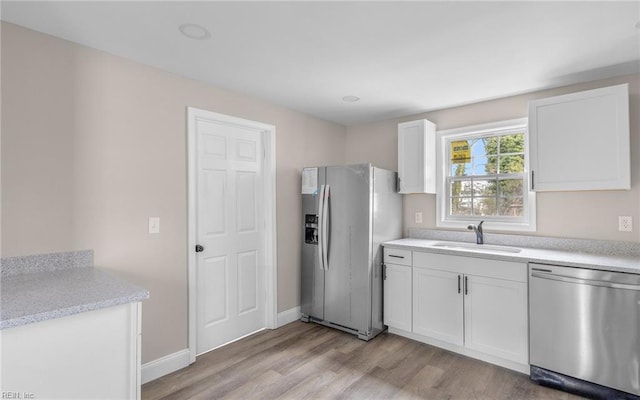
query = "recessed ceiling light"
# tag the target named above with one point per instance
(193, 31)
(350, 99)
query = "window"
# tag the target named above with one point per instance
(484, 176)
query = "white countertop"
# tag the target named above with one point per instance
(543, 256)
(34, 297)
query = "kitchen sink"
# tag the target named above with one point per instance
(477, 247)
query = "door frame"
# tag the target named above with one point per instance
(270, 250)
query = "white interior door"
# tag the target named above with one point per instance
(230, 270)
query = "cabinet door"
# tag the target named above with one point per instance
(437, 305)
(496, 317)
(580, 141)
(91, 355)
(397, 296)
(417, 157)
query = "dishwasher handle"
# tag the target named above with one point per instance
(545, 275)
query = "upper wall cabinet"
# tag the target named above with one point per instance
(580, 141)
(417, 157)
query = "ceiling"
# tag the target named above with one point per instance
(399, 58)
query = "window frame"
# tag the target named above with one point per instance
(443, 167)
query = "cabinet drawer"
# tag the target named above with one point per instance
(509, 270)
(395, 256)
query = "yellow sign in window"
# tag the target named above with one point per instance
(460, 152)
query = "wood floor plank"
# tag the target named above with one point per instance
(255, 388)
(310, 361)
(422, 384)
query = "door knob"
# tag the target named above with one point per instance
(199, 248)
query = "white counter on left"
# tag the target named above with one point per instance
(35, 297)
(68, 330)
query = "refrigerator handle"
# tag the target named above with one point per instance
(325, 228)
(320, 227)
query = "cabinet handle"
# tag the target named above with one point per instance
(458, 284)
(394, 256)
(466, 285)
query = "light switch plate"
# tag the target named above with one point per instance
(154, 224)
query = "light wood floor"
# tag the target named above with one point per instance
(309, 361)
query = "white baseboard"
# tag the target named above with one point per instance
(164, 365)
(288, 316)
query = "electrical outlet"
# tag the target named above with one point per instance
(154, 224)
(418, 218)
(625, 224)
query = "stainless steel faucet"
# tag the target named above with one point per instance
(478, 230)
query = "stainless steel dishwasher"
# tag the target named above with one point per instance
(584, 324)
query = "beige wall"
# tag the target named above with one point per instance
(37, 148)
(93, 144)
(590, 215)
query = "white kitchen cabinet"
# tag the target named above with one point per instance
(90, 355)
(417, 157)
(397, 296)
(495, 317)
(397, 288)
(474, 306)
(437, 305)
(580, 141)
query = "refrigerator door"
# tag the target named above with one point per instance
(348, 271)
(312, 274)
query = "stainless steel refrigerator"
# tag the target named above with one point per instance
(347, 212)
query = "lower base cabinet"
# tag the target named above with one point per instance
(92, 355)
(397, 296)
(438, 305)
(495, 318)
(473, 306)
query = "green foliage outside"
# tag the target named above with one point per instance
(491, 196)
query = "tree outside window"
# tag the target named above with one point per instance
(490, 180)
